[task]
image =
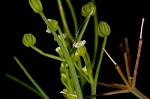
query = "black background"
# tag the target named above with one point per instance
(17, 18)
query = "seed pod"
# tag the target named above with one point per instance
(28, 40)
(103, 29)
(81, 50)
(36, 5)
(54, 24)
(87, 9)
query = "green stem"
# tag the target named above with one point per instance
(83, 29)
(82, 73)
(63, 18)
(68, 58)
(100, 59)
(62, 38)
(98, 67)
(69, 84)
(88, 68)
(73, 15)
(82, 79)
(24, 84)
(95, 18)
(48, 55)
(31, 79)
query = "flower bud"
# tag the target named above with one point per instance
(28, 40)
(88, 9)
(54, 24)
(36, 5)
(59, 51)
(84, 69)
(103, 29)
(81, 50)
(76, 56)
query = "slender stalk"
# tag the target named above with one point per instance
(94, 86)
(24, 84)
(127, 67)
(68, 58)
(137, 62)
(73, 15)
(122, 76)
(64, 21)
(138, 94)
(108, 93)
(84, 28)
(31, 79)
(100, 59)
(79, 70)
(127, 60)
(62, 39)
(138, 55)
(113, 85)
(82, 79)
(118, 69)
(128, 55)
(88, 68)
(115, 92)
(95, 18)
(48, 55)
(69, 84)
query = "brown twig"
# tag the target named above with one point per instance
(109, 93)
(113, 85)
(126, 52)
(138, 55)
(129, 86)
(128, 60)
(118, 69)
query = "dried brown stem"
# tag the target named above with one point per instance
(109, 93)
(113, 85)
(118, 69)
(138, 55)
(127, 60)
(126, 52)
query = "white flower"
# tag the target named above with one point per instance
(64, 36)
(47, 30)
(79, 44)
(63, 75)
(65, 91)
(84, 69)
(57, 49)
(76, 53)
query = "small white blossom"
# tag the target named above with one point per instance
(76, 53)
(79, 44)
(47, 30)
(67, 65)
(64, 36)
(84, 69)
(63, 75)
(57, 49)
(65, 91)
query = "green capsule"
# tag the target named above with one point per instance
(88, 9)
(36, 5)
(103, 29)
(28, 40)
(54, 24)
(81, 50)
